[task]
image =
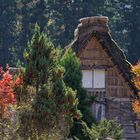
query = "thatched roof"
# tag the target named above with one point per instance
(90, 27)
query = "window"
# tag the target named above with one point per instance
(99, 78)
(98, 111)
(93, 78)
(87, 78)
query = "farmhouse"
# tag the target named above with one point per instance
(106, 73)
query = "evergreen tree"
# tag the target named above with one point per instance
(7, 29)
(49, 104)
(31, 12)
(18, 18)
(131, 24)
(105, 129)
(124, 23)
(73, 78)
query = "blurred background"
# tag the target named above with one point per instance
(59, 18)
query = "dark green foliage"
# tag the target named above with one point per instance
(50, 105)
(73, 78)
(105, 129)
(40, 58)
(73, 75)
(7, 30)
(124, 23)
(131, 23)
(61, 18)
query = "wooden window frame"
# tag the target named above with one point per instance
(93, 78)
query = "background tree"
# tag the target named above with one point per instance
(61, 18)
(48, 105)
(7, 30)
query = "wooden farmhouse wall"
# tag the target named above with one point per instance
(117, 94)
(93, 56)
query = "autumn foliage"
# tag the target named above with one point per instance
(136, 103)
(7, 94)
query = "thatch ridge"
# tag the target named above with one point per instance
(102, 33)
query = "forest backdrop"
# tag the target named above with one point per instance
(59, 18)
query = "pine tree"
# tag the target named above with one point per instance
(105, 129)
(49, 105)
(73, 79)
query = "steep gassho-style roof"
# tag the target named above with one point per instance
(97, 26)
